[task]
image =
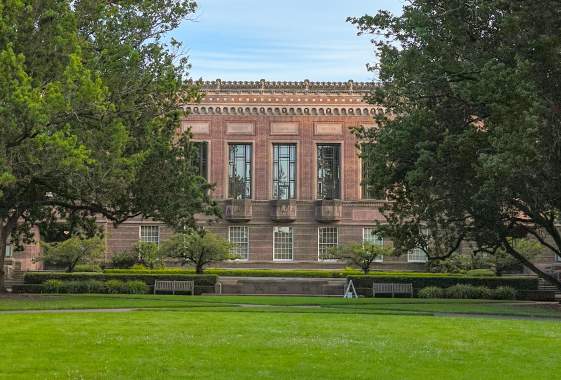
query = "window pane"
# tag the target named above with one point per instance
(239, 237)
(284, 171)
(328, 174)
(328, 237)
(150, 234)
(282, 243)
(200, 158)
(367, 173)
(369, 236)
(239, 171)
(417, 255)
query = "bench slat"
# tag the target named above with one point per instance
(173, 286)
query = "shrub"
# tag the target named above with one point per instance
(504, 293)
(125, 259)
(93, 286)
(431, 292)
(136, 287)
(87, 268)
(363, 284)
(480, 273)
(484, 292)
(462, 292)
(115, 286)
(74, 287)
(52, 286)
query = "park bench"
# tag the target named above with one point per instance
(392, 288)
(174, 286)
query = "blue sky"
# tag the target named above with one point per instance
(285, 40)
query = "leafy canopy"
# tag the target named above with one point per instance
(73, 251)
(89, 113)
(470, 146)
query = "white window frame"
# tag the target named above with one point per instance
(557, 258)
(246, 233)
(331, 244)
(414, 256)
(9, 251)
(275, 228)
(141, 237)
(376, 239)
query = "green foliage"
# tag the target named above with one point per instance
(136, 287)
(468, 150)
(124, 259)
(480, 273)
(249, 272)
(148, 254)
(431, 292)
(504, 293)
(53, 286)
(462, 292)
(361, 255)
(115, 286)
(363, 284)
(198, 249)
(73, 251)
(89, 93)
(203, 283)
(88, 268)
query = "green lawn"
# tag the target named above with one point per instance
(179, 337)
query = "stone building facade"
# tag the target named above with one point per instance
(286, 170)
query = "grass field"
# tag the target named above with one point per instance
(179, 337)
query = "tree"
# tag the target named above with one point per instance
(501, 261)
(89, 113)
(73, 251)
(362, 255)
(469, 146)
(148, 254)
(198, 248)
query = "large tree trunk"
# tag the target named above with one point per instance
(528, 264)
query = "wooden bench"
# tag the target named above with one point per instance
(174, 286)
(392, 288)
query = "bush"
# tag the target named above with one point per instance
(431, 292)
(484, 292)
(87, 268)
(480, 273)
(203, 283)
(363, 284)
(53, 286)
(125, 259)
(115, 286)
(462, 292)
(136, 287)
(504, 293)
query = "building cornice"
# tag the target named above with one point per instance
(280, 87)
(282, 110)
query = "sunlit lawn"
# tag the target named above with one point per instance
(183, 337)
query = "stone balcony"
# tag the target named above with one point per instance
(238, 210)
(283, 210)
(329, 210)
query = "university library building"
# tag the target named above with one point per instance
(287, 172)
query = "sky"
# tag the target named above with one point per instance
(288, 40)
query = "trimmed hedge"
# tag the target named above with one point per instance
(311, 273)
(203, 283)
(363, 284)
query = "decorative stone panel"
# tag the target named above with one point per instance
(329, 210)
(239, 128)
(283, 210)
(284, 129)
(324, 129)
(196, 127)
(238, 210)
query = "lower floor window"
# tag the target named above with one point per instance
(417, 255)
(558, 258)
(150, 234)
(282, 243)
(9, 252)
(239, 237)
(328, 238)
(369, 235)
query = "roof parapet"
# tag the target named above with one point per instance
(305, 86)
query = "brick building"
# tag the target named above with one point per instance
(287, 171)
